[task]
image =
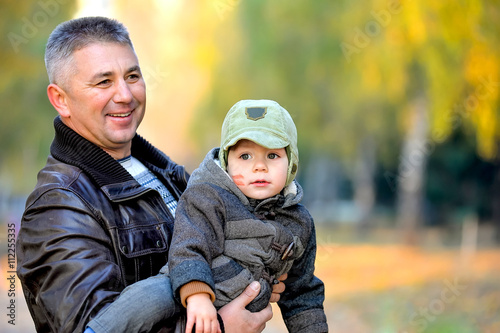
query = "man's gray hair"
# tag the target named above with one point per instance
(76, 34)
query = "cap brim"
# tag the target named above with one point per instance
(264, 139)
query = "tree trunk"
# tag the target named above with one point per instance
(415, 152)
(496, 197)
(320, 184)
(364, 188)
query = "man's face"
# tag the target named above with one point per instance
(106, 96)
(258, 172)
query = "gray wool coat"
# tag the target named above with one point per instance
(227, 241)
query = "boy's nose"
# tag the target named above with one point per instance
(260, 165)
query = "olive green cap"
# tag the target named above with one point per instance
(264, 122)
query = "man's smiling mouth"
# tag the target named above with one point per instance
(119, 115)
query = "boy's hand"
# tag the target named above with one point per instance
(201, 312)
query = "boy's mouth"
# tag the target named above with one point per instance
(260, 182)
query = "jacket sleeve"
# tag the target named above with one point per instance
(302, 301)
(65, 262)
(198, 236)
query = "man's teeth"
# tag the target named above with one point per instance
(120, 115)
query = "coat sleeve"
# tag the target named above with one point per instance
(198, 236)
(302, 301)
(65, 262)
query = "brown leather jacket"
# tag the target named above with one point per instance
(89, 230)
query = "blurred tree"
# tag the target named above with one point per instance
(481, 107)
(420, 48)
(440, 40)
(459, 182)
(26, 127)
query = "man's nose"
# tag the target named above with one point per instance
(122, 93)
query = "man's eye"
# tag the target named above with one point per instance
(245, 157)
(133, 77)
(104, 82)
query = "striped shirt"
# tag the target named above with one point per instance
(146, 178)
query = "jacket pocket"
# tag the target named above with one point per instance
(141, 240)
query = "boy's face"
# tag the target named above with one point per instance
(258, 172)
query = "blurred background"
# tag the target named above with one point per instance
(397, 109)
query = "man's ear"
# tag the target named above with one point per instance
(58, 99)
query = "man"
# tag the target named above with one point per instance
(100, 218)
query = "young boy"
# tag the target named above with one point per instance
(240, 220)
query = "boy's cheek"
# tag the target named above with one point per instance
(238, 180)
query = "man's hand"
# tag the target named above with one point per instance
(278, 289)
(238, 319)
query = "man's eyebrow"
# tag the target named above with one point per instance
(134, 69)
(100, 75)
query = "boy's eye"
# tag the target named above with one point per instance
(245, 157)
(272, 156)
